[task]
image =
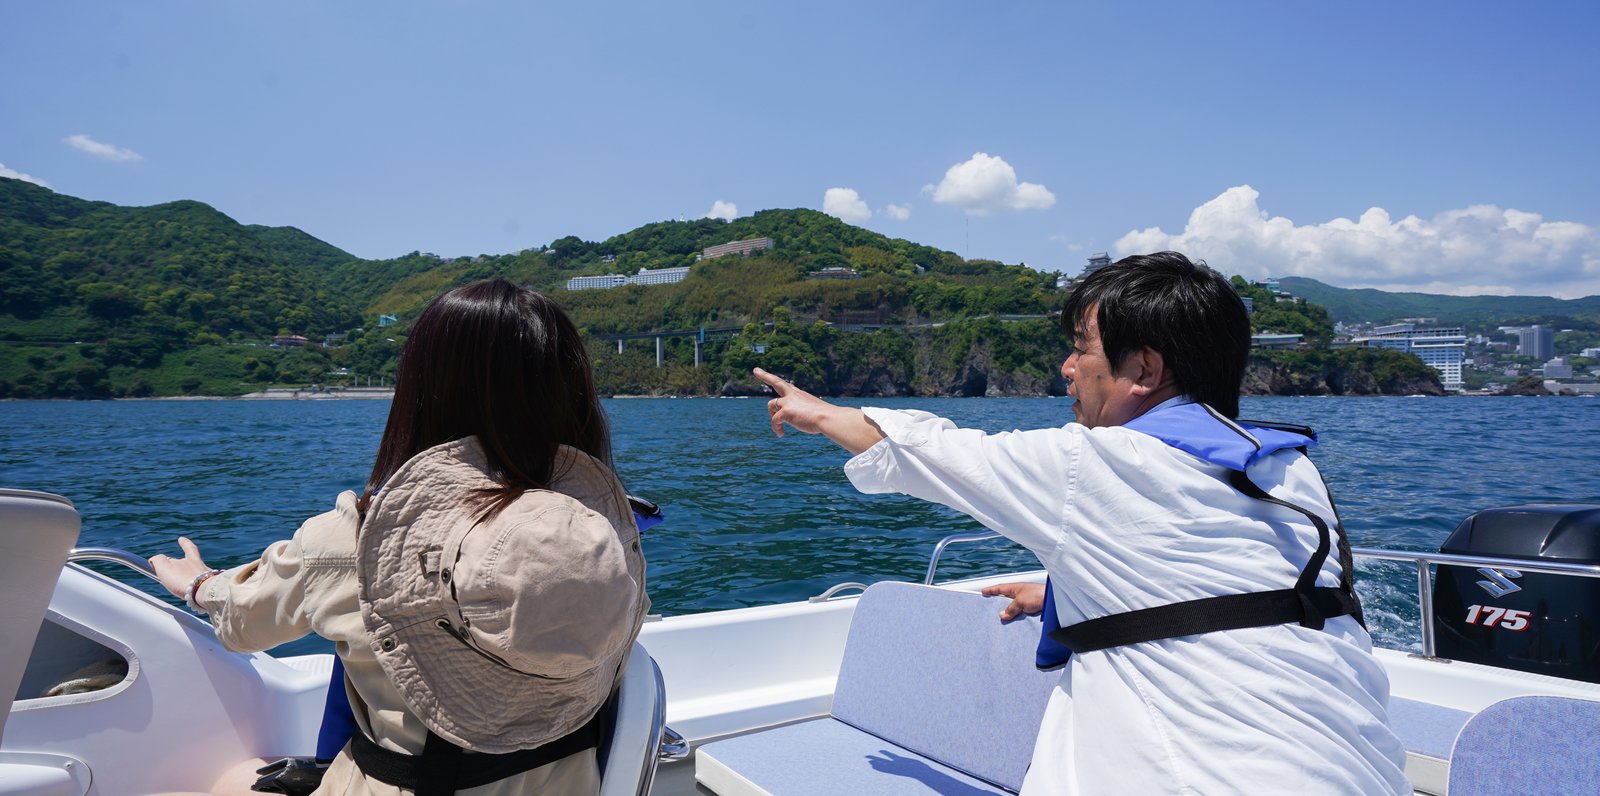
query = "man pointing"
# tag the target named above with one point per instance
(1198, 570)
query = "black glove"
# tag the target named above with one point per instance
(295, 776)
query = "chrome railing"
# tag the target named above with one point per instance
(938, 549)
(833, 591)
(1423, 560)
(136, 563)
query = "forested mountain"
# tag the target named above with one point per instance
(102, 301)
(160, 276)
(1366, 305)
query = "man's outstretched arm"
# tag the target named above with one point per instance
(849, 428)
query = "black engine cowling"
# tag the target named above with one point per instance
(1545, 624)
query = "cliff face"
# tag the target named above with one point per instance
(974, 373)
(1331, 378)
(1531, 385)
(931, 369)
(977, 377)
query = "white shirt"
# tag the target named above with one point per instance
(1122, 521)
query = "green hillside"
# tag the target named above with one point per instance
(173, 274)
(1366, 305)
(104, 301)
(108, 301)
(730, 290)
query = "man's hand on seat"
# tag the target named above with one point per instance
(1026, 598)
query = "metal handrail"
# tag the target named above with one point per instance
(134, 562)
(829, 594)
(938, 549)
(1421, 560)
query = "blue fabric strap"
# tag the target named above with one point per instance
(338, 720)
(1051, 653)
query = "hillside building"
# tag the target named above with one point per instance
(659, 276)
(1440, 348)
(1558, 368)
(835, 272)
(596, 282)
(1271, 340)
(1097, 261)
(743, 248)
(1537, 342)
(646, 276)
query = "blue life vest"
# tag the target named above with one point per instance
(1202, 431)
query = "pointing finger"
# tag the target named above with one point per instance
(189, 548)
(777, 384)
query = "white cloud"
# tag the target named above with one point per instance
(1482, 249)
(88, 145)
(898, 212)
(17, 175)
(846, 205)
(985, 184)
(727, 211)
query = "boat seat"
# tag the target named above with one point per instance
(1427, 731)
(1528, 744)
(935, 695)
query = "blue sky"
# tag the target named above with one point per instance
(1443, 147)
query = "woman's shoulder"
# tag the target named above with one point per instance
(332, 532)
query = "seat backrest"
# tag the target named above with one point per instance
(1530, 744)
(628, 753)
(936, 672)
(37, 530)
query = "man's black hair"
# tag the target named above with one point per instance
(1184, 311)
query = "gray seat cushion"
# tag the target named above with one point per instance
(825, 757)
(1428, 730)
(935, 695)
(937, 672)
(1528, 744)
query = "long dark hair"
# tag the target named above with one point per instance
(1183, 310)
(501, 363)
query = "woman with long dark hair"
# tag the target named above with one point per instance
(485, 587)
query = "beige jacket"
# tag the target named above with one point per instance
(308, 584)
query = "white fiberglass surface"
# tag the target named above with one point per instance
(187, 711)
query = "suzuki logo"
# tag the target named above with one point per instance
(1499, 583)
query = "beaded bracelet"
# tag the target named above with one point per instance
(194, 590)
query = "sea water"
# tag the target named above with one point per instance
(753, 519)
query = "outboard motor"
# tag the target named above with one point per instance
(1545, 624)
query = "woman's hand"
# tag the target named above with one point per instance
(177, 573)
(809, 414)
(1026, 598)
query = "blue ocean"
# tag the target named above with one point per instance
(753, 519)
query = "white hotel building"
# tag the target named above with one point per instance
(646, 276)
(596, 282)
(1440, 348)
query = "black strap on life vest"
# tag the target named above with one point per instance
(443, 768)
(1306, 604)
